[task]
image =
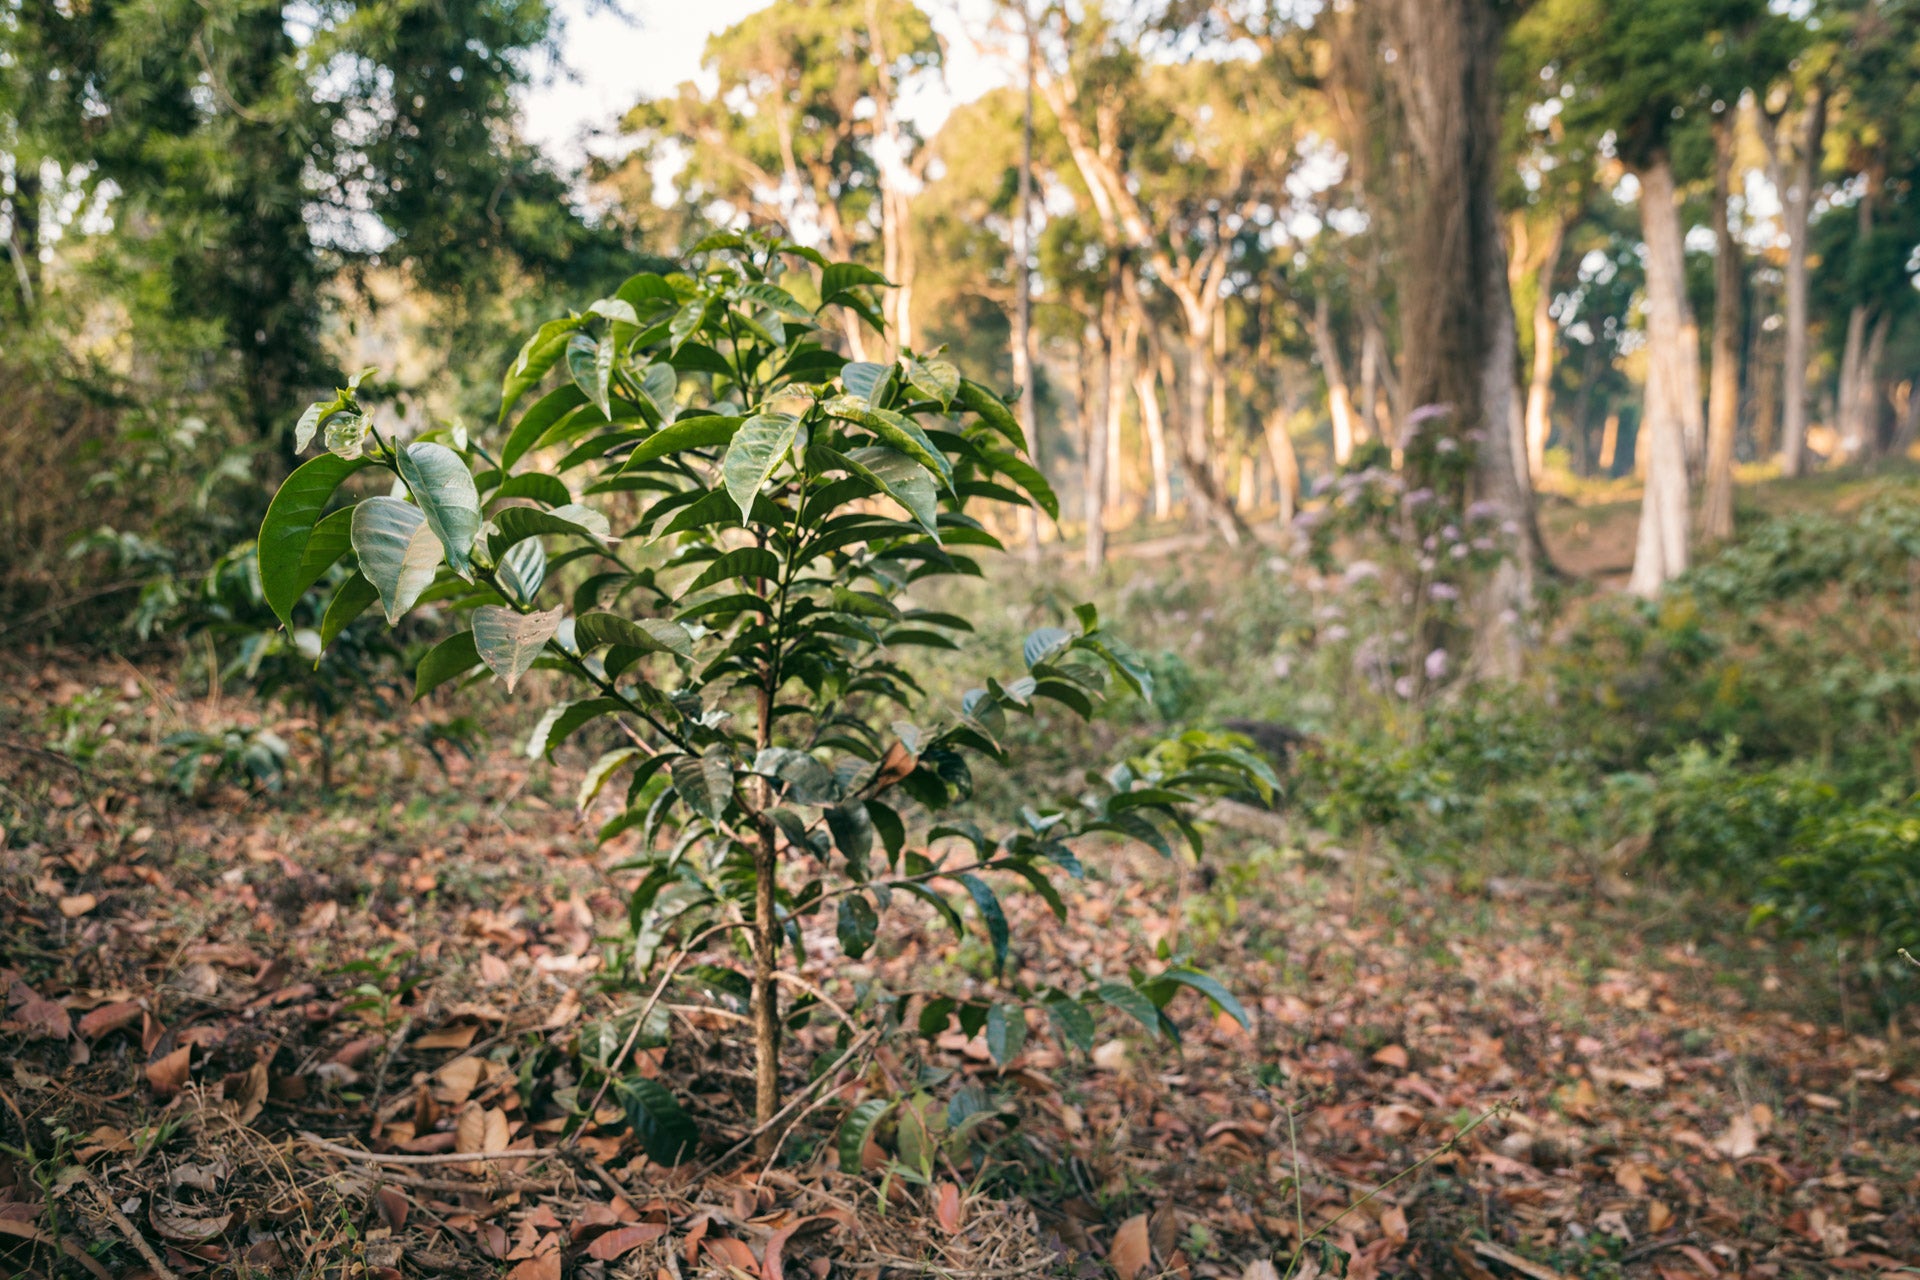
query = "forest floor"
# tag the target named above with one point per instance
(212, 1007)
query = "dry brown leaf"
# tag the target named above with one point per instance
(168, 1075)
(1659, 1217)
(541, 1266)
(1741, 1139)
(458, 1079)
(946, 1209)
(497, 1134)
(1260, 1269)
(470, 1134)
(181, 1227)
(1131, 1253)
(110, 1017)
(1393, 1055)
(77, 904)
(624, 1240)
(447, 1038)
(249, 1090)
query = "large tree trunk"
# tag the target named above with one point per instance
(1797, 209)
(1202, 494)
(1539, 421)
(1286, 463)
(1119, 378)
(1723, 391)
(1662, 551)
(1458, 342)
(1339, 401)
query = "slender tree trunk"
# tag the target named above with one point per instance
(1723, 394)
(1023, 293)
(1581, 428)
(764, 994)
(1147, 393)
(1339, 403)
(1797, 210)
(1217, 383)
(1119, 378)
(1097, 361)
(1848, 385)
(23, 231)
(1860, 437)
(1609, 443)
(1907, 430)
(1539, 421)
(1370, 356)
(1286, 463)
(1662, 551)
(1204, 498)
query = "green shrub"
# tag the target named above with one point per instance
(1853, 873)
(747, 628)
(1712, 820)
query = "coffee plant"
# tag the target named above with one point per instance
(713, 529)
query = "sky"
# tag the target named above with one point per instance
(611, 59)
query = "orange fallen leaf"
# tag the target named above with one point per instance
(947, 1208)
(110, 1017)
(624, 1240)
(78, 905)
(1131, 1253)
(1392, 1055)
(168, 1075)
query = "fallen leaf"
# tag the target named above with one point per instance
(40, 1017)
(181, 1227)
(110, 1017)
(772, 1266)
(1659, 1217)
(1392, 1055)
(1740, 1140)
(1260, 1269)
(447, 1038)
(168, 1075)
(729, 1252)
(541, 1266)
(624, 1240)
(1131, 1253)
(947, 1208)
(78, 905)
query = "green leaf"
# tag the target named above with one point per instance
(857, 925)
(1210, 987)
(990, 912)
(286, 570)
(753, 453)
(896, 430)
(560, 720)
(535, 358)
(1074, 1021)
(523, 570)
(993, 411)
(549, 409)
(746, 562)
(912, 489)
(649, 635)
(1005, 1032)
(935, 379)
(1043, 643)
(599, 772)
(508, 642)
(1135, 1004)
(667, 1133)
(858, 1126)
(547, 490)
(838, 280)
(590, 365)
(1024, 474)
(688, 433)
(398, 551)
(516, 524)
(348, 603)
(705, 782)
(444, 489)
(448, 660)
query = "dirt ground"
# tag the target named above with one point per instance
(342, 1036)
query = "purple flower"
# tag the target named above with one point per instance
(1404, 686)
(1436, 664)
(1443, 591)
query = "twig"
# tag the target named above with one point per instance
(1525, 1266)
(451, 1157)
(125, 1226)
(394, 1042)
(795, 1101)
(1497, 1108)
(497, 1182)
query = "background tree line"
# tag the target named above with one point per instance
(1225, 250)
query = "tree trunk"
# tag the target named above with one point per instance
(1369, 381)
(1339, 403)
(1119, 378)
(1662, 552)
(1201, 493)
(1723, 393)
(1023, 296)
(1286, 464)
(1539, 421)
(1458, 342)
(1797, 208)
(1581, 432)
(1907, 430)
(1097, 363)
(763, 997)
(1609, 443)
(1848, 388)
(1146, 391)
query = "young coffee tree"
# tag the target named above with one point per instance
(742, 519)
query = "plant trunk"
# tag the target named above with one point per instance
(1609, 443)
(1201, 493)
(1539, 421)
(1723, 389)
(1797, 210)
(1286, 463)
(1095, 411)
(1119, 378)
(1339, 403)
(1908, 429)
(764, 996)
(1662, 552)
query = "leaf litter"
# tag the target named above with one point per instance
(338, 1039)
